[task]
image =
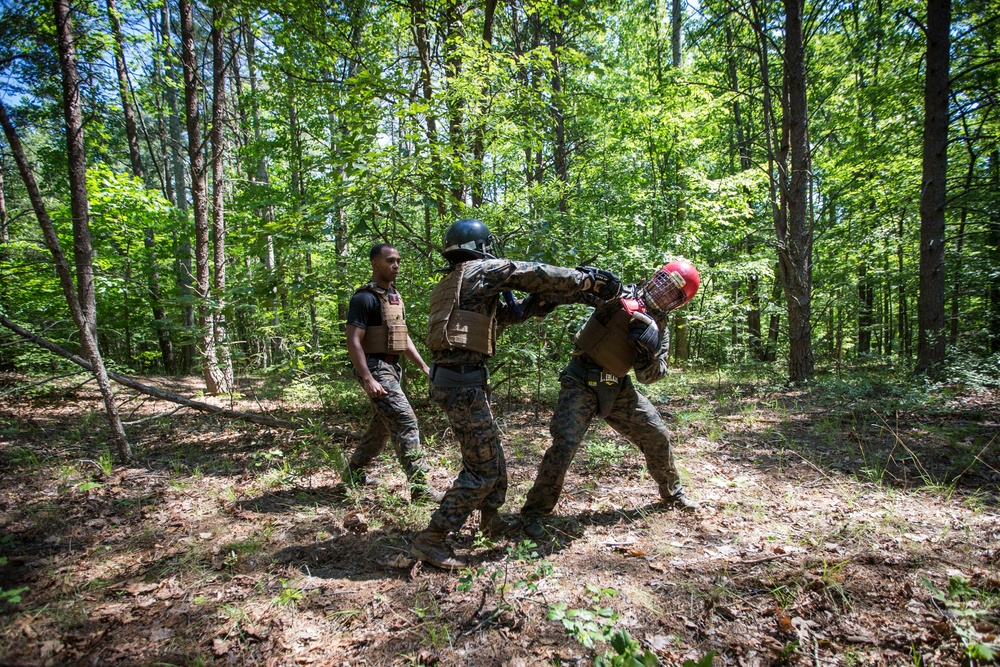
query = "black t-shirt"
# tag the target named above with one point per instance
(365, 310)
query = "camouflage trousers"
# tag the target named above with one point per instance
(482, 482)
(393, 419)
(631, 415)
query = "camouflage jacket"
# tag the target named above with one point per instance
(487, 279)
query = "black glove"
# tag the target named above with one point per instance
(645, 334)
(535, 306)
(604, 284)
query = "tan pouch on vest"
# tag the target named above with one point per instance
(390, 336)
(608, 344)
(449, 327)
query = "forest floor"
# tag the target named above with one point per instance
(842, 525)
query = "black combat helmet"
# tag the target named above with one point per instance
(467, 239)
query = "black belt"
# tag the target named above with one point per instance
(387, 358)
(462, 375)
(461, 368)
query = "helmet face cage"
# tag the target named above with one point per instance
(663, 292)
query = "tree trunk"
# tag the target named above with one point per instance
(793, 226)
(74, 134)
(479, 129)
(676, 17)
(930, 302)
(225, 363)
(993, 325)
(902, 310)
(865, 303)
(214, 380)
(557, 105)
(182, 249)
(418, 11)
(263, 179)
(4, 234)
(456, 106)
(135, 158)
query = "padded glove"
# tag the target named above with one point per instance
(642, 331)
(604, 284)
(535, 306)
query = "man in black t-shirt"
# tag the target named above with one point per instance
(376, 339)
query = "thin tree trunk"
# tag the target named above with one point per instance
(4, 237)
(676, 18)
(135, 157)
(182, 245)
(993, 318)
(4, 233)
(557, 106)
(794, 229)
(865, 297)
(263, 179)
(930, 303)
(902, 311)
(418, 11)
(225, 364)
(456, 106)
(479, 129)
(80, 208)
(214, 382)
(88, 339)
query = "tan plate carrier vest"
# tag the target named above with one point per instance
(608, 344)
(450, 327)
(390, 336)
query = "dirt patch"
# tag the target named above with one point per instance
(833, 532)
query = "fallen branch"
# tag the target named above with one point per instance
(159, 393)
(35, 384)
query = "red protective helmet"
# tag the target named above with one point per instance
(671, 286)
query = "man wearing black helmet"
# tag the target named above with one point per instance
(625, 334)
(467, 308)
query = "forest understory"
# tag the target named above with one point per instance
(837, 528)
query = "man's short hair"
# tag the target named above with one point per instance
(378, 249)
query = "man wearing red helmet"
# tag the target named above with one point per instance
(622, 335)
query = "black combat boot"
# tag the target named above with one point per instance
(491, 524)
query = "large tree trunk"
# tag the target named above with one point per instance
(214, 379)
(794, 228)
(80, 207)
(930, 302)
(221, 343)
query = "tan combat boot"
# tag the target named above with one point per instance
(429, 547)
